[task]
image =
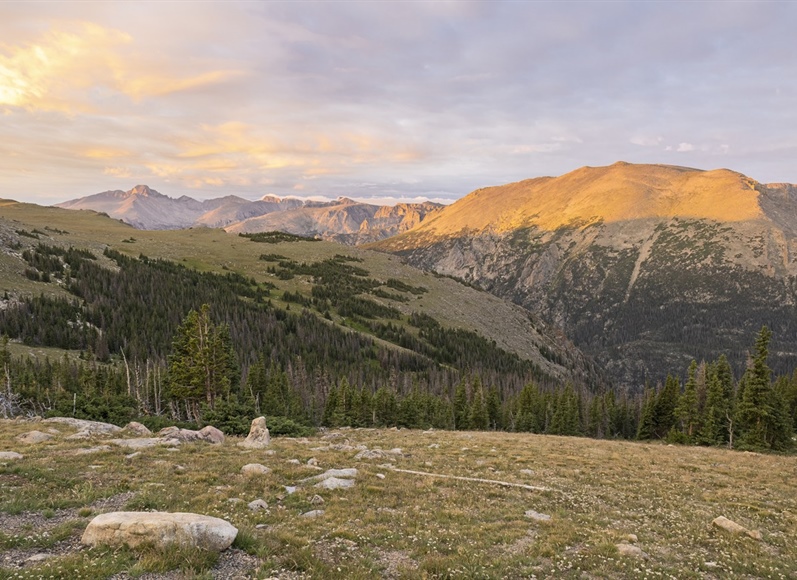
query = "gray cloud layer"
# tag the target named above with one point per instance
(386, 100)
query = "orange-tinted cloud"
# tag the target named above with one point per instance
(58, 70)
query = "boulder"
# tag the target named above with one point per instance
(138, 429)
(255, 469)
(537, 516)
(335, 483)
(90, 450)
(85, 428)
(33, 437)
(631, 551)
(730, 526)
(257, 504)
(313, 514)
(208, 434)
(258, 437)
(161, 529)
(347, 473)
(5, 455)
(212, 435)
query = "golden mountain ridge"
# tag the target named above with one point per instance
(613, 193)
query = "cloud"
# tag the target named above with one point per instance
(77, 66)
(684, 147)
(644, 141)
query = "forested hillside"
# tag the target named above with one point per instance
(322, 342)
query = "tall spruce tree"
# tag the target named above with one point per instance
(687, 408)
(755, 410)
(202, 364)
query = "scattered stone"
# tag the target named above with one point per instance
(85, 428)
(316, 500)
(161, 529)
(734, 528)
(631, 538)
(380, 475)
(137, 428)
(258, 437)
(434, 446)
(290, 489)
(179, 468)
(537, 516)
(335, 483)
(370, 454)
(133, 455)
(294, 461)
(631, 551)
(312, 461)
(212, 435)
(234, 500)
(144, 442)
(36, 558)
(208, 434)
(341, 447)
(313, 514)
(4, 455)
(33, 437)
(349, 472)
(257, 504)
(527, 471)
(53, 431)
(255, 469)
(90, 450)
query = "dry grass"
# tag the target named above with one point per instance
(411, 526)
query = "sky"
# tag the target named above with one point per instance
(385, 101)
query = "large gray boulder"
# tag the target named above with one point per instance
(258, 437)
(138, 429)
(161, 529)
(85, 428)
(33, 437)
(208, 434)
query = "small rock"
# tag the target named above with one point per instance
(10, 455)
(255, 469)
(33, 437)
(234, 500)
(312, 461)
(335, 483)
(39, 558)
(290, 489)
(137, 428)
(257, 504)
(527, 471)
(730, 526)
(294, 461)
(537, 516)
(380, 475)
(434, 446)
(179, 468)
(89, 450)
(631, 551)
(258, 437)
(316, 500)
(345, 473)
(632, 538)
(133, 455)
(313, 514)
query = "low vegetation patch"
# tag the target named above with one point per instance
(398, 522)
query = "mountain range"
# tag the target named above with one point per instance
(342, 220)
(644, 267)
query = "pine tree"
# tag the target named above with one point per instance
(687, 409)
(461, 407)
(647, 420)
(755, 410)
(478, 417)
(202, 364)
(719, 404)
(664, 409)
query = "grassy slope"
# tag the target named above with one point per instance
(449, 302)
(411, 526)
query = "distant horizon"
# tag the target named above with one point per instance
(387, 200)
(388, 100)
